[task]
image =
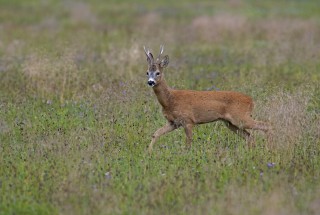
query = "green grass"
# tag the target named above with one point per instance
(76, 115)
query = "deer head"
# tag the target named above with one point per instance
(155, 67)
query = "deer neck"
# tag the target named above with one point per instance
(162, 92)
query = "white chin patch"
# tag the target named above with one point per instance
(151, 82)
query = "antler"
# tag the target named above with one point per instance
(160, 53)
(149, 55)
(146, 51)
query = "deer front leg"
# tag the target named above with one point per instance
(188, 129)
(161, 131)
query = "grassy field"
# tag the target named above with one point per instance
(76, 114)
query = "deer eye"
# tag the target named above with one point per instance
(148, 73)
(158, 73)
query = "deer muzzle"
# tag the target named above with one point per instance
(151, 82)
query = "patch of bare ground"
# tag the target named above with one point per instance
(153, 29)
(284, 40)
(290, 39)
(315, 204)
(216, 28)
(80, 12)
(148, 21)
(284, 29)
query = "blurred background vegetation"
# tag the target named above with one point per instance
(76, 114)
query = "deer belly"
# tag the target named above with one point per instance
(205, 116)
(179, 118)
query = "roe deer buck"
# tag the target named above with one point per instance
(187, 108)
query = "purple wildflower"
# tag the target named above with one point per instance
(270, 165)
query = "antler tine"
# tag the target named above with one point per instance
(146, 51)
(149, 55)
(161, 51)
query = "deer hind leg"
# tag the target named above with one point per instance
(246, 122)
(249, 123)
(242, 133)
(161, 131)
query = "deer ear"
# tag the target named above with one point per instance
(165, 61)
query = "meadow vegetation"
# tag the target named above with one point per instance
(76, 114)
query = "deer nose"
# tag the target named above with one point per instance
(151, 83)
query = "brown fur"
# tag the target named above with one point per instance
(188, 108)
